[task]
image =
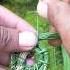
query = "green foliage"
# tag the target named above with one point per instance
(66, 59)
(20, 7)
(40, 24)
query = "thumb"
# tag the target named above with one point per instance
(27, 40)
(13, 41)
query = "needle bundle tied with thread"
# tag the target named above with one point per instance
(30, 39)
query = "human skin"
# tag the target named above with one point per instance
(59, 16)
(10, 26)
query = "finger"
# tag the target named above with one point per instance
(9, 19)
(12, 41)
(67, 1)
(4, 59)
(42, 7)
(28, 39)
(8, 39)
(3, 68)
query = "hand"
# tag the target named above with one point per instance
(10, 28)
(59, 16)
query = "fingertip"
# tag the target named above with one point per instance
(42, 9)
(44, 6)
(27, 38)
(27, 41)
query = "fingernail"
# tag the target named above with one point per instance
(42, 9)
(27, 38)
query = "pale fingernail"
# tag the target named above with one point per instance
(28, 39)
(42, 9)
